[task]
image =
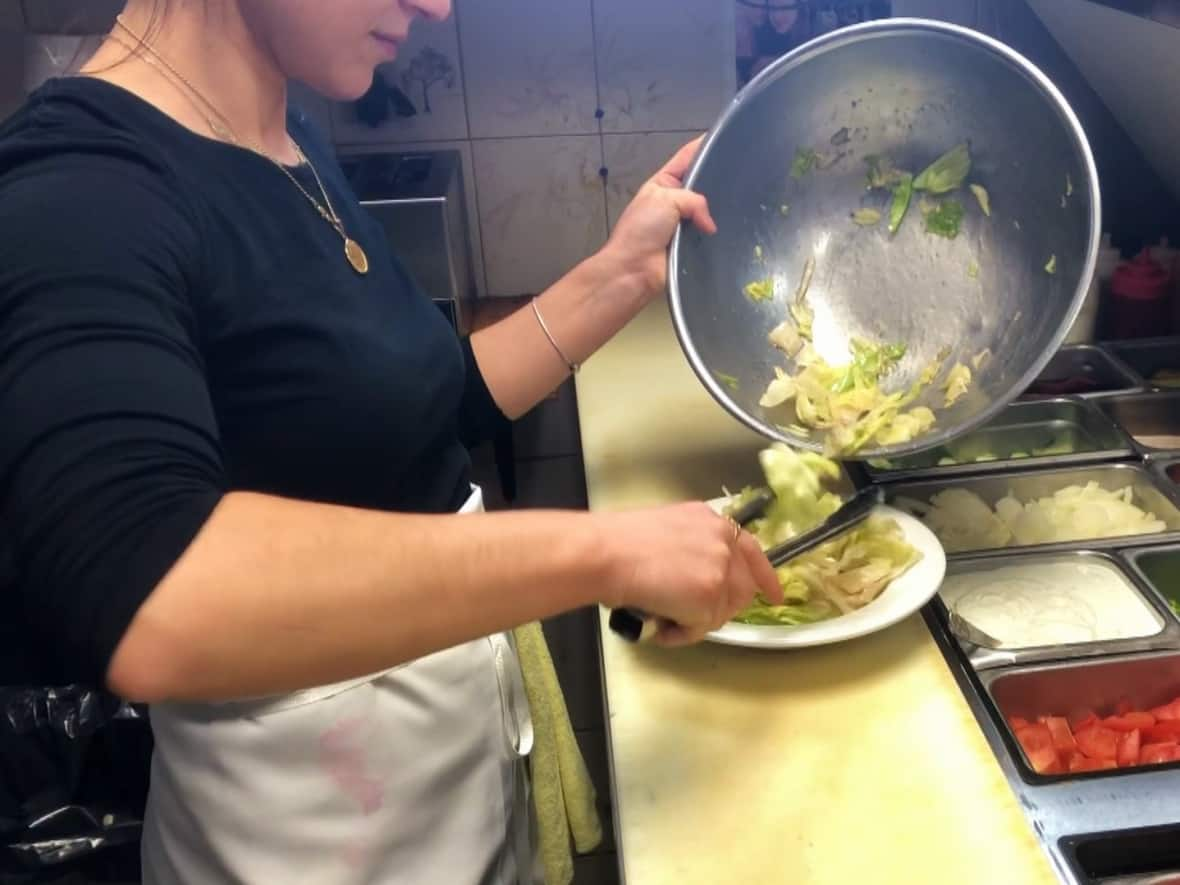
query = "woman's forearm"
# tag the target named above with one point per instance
(593, 302)
(582, 311)
(275, 595)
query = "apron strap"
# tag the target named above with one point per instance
(518, 721)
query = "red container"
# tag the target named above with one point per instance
(1140, 299)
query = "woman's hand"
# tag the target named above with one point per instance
(685, 565)
(589, 305)
(639, 242)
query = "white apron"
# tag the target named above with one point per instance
(415, 776)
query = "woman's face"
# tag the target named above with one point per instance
(334, 46)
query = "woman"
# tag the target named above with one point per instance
(233, 480)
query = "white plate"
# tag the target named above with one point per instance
(897, 602)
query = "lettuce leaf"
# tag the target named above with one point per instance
(947, 173)
(838, 577)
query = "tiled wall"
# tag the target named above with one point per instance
(560, 111)
(517, 86)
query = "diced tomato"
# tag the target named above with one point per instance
(1063, 741)
(1045, 761)
(1084, 763)
(1167, 712)
(1153, 754)
(1034, 735)
(1163, 732)
(1129, 721)
(1098, 742)
(1038, 747)
(1142, 717)
(1083, 741)
(1081, 718)
(1128, 751)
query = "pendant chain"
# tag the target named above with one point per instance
(223, 131)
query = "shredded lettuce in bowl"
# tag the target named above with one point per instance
(847, 400)
(839, 577)
(861, 402)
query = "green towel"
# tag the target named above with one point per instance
(563, 795)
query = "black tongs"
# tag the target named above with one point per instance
(636, 626)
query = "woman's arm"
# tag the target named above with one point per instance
(275, 595)
(585, 309)
(134, 562)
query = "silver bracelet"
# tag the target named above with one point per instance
(573, 367)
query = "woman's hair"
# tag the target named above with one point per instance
(155, 23)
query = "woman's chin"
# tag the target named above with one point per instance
(344, 87)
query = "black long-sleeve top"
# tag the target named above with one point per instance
(178, 322)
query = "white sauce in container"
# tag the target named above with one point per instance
(1059, 601)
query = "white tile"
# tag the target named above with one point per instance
(541, 208)
(529, 67)
(429, 74)
(632, 159)
(469, 187)
(664, 64)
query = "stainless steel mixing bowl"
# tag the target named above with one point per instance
(911, 90)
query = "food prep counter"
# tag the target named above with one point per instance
(855, 762)
(885, 759)
(1081, 698)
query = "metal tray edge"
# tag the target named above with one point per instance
(1167, 639)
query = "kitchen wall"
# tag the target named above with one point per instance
(560, 112)
(1134, 67)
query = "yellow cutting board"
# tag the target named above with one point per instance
(853, 763)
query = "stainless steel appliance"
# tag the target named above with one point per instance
(418, 198)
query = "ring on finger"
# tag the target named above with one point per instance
(737, 529)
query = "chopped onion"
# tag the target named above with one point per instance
(964, 521)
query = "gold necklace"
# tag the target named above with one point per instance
(222, 130)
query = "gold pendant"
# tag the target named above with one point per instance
(356, 255)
